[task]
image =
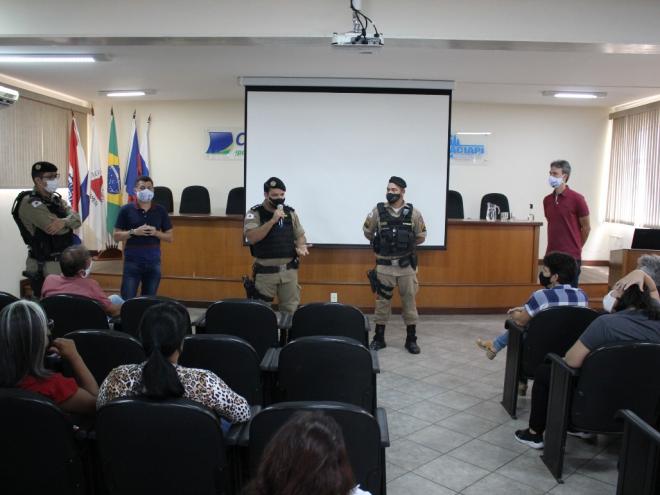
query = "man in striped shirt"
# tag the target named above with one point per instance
(558, 271)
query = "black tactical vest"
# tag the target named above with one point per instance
(280, 241)
(43, 246)
(394, 236)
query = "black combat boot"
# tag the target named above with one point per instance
(378, 342)
(411, 340)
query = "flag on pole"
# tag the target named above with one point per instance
(144, 149)
(95, 189)
(114, 180)
(135, 167)
(77, 176)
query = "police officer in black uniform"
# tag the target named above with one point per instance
(46, 223)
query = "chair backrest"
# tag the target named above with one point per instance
(195, 199)
(6, 299)
(244, 318)
(70, 312)
(39, 453)
(236, 201)
(360, 429)
(619, 376)
(455, 205)
(165, 447)
(163, 196)
(335, 319)
(133, 309)
(104, 350)
(233, 359)
(327, 368)
(553, 330)
(496, 198)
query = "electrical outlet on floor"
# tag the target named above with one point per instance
(333, 297)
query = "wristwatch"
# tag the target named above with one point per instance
(131, 233)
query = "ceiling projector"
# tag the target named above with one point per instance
(358, 37)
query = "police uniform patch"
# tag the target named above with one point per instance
(36, 203)
(249, 216)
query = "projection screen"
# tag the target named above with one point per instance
(335, 148)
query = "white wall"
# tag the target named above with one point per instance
(525, 140)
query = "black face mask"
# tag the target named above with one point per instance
(392, 198)
(543, 280)
(275, 202)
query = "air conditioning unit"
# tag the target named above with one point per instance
(8, 96)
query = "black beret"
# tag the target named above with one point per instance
(274, 183)
(42, 168)
(398, 181)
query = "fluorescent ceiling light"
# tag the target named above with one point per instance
(122, 94)
(486, 133)
(9, 91)
(27, 58)
(576, 95)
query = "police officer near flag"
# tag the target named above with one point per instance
(46, 223)
(395, 228)
(277, 240)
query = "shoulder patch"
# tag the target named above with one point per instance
(36, 203)
(371, 214)
(255, 207)
(249, 216)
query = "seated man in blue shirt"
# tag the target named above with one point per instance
(141, 226)
(558, 271)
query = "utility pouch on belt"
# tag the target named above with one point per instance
(377, 287)
(251, 290)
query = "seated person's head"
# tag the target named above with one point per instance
(162, 329)
(650, 264)
(559, 268)
(636, 299)
(306, 455)
(23, 342)
(75, 260)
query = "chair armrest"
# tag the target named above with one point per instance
(513, 327)
(200, 324)
(381, 419)
(375, 363)
(637, 423)
(557, 361)
(271, 359)
(244, 437)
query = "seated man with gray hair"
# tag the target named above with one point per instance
(76, 265)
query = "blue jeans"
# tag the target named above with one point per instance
(501, 341)
(140, 272)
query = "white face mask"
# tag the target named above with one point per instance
(555, 182)
(145, 195)
(609, 301)
(51, 185)
(88, 270)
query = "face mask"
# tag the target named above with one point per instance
(88, 270)
(609, 301)
(555, 182)
(145, 195)
(392, 198)
(543, 280)
(51, 185)
(276, 201)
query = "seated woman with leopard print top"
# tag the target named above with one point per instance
(162, 329)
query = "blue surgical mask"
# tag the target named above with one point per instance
(145, 195)
(555, 182)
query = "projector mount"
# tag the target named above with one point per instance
(358, 37)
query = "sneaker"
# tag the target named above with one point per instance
(487, 345)
(522, 388)
(533, 440)
(581, 434)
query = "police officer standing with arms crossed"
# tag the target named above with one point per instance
(46, 223)
(395, 228)
(276, 240)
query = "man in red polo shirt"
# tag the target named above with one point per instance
(567, 214)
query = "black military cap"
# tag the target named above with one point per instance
(274, 183)
(398, 181)
(40, 168)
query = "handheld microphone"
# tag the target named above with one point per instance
(280, 222)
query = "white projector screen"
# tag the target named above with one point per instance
(336, 148)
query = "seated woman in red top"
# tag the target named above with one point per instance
(23, 346)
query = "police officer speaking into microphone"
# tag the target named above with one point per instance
(395, 228)
(46, 223)
(276, 240)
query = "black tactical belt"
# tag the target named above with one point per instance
(382, 261)
(293, 264)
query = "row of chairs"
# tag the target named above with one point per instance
(197, 200)
(168, 447)
(613, 377)
(455, 204)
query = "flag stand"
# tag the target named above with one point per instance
(111, 253)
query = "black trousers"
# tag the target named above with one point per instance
(540, 396)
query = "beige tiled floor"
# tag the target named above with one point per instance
(448, 431)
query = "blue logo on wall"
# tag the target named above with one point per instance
(459, 151)
(220, 142)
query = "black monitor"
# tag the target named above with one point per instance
(646, 239)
